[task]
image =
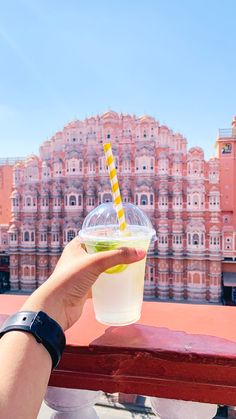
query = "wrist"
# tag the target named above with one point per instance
(48, 301)
(45, 330)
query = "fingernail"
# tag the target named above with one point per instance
(141, 252)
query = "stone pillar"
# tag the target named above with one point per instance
(72, 403)
(232, 412)
(178, 280)
(163, 279)
(179, 409)
(14, 272)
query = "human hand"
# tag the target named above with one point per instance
(63, 295)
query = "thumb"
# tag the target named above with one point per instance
(110, 258)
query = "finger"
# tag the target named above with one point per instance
(124, 255)
(75, 246)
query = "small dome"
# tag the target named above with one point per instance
(146, 119)
(110, 115)
(14, 193)
(12, 228)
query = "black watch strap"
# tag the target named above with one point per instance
(45, 330)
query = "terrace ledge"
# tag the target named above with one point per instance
(175, 351)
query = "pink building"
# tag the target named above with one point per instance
(226, 152)
(177, 188)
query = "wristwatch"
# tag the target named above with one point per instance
(45, 330)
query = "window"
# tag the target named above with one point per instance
(15, 202)
(13, 237)
(70, 235)
(55, 237)
(44, 202)
(189, 239)
(107, 197)
(26, 271)
(102, 164)
(126, 165)
(91, 167)
(195, 239)
(26, 236)
(91, 201)
(144, 164)
(144, 200)
(57, 202)
(43, 237)
(116, 161)
(72, 200)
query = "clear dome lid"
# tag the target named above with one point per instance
(103, 222)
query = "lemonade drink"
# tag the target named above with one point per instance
(118, 292)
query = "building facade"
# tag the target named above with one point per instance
(176, 187)
(226, 153)
(6, 178)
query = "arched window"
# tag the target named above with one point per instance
(91, 167)
(55, 237)
(15, 202)
(126, 165)
(91, 201)
(13, 237)
(195, 239)
(32, 236)
(102, 164)
(107, 197)
(116, 161)
(26, 271)
(72, 200)
(26, 236)
(79, 200)
(196, 200)
(28, 201)
(70, 235)
(144, 200)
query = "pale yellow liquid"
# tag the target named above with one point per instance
(118, 297)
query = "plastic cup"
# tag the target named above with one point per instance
(118, 292)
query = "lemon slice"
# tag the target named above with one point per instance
(116, 269)
(102, 246)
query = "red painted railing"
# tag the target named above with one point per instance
(177, 351)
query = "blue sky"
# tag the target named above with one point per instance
(60, 60)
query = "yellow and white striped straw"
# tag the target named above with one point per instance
(115, 186)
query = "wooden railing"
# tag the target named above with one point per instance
(175, 351)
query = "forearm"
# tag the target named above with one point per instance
(25, 372)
